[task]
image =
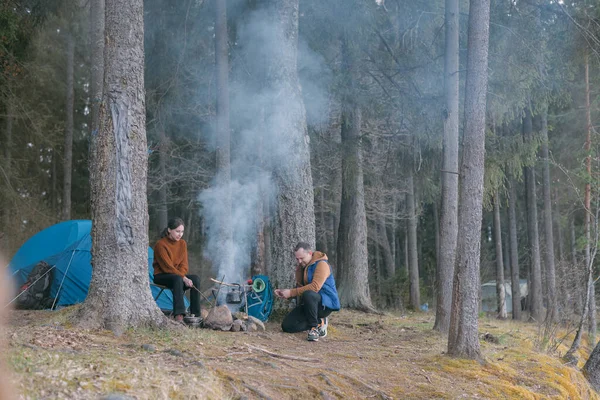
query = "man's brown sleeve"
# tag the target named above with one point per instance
(320, 276)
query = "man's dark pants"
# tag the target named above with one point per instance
(307, 315)
(175, 283)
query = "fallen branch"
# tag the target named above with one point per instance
(284, 356)
(256, 391)
(382, 394)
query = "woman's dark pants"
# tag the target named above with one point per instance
(175, 283)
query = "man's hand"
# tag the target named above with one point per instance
(283, 293)
(187, 282)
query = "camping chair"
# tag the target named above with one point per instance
(162, 289)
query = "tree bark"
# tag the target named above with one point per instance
(500, 291)
(290, 158)
(119, 295)
(449, 212)
(463, 338)
(414, 300)
(514, 250)
(68, 150)
(535, 290)
(552, 311)
(352, 253)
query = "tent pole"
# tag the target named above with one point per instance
(63, 280)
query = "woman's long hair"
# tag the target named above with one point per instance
(173, 223)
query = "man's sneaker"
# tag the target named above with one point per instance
(313, 335)
(322, 328)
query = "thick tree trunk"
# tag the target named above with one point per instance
(499, 259)
(119, 295)
(463, 338)
(514, 250)
(289, 150)
(552, 311)
(591, 369)
(414, 300)
(68, 149)
(449, 212)
(535, 290)
(352, 253)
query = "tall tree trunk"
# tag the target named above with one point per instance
(514, 250)
(97, 11)
(579, 281)
(449, 212)
(463, 338)
(224, 251)
(499, 259)
(68, 150)
(563, 295)
(535, 290)
(290, 158)
(552, 312)
(352, 253)
(390, 267)
(119, 295)
(414, 300)
(322, 231)
(163, 158)
(588, 208)
(7, 173)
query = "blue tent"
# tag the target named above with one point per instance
(67, 246)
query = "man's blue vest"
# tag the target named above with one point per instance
(328, 292)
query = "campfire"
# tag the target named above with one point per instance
(237, 307)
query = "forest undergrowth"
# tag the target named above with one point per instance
(364, 356)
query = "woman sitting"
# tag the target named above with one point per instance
(171, 268)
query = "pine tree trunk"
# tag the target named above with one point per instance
(463, 338)
(514, 250)
(588, 208)
(286, 123)
(68, 150)
(552, 311)
(591, 369)
(564, 295)
(578, 279)
(352, 253)
(163, 155)
(449, 211)
(119, 295)
(390, 267)
(535, 290)
(500, 292)
(224, 250)
(8, 191)
(414, 300)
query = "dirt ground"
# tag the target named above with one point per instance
(364, 356)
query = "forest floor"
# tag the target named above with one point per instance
(363, 356)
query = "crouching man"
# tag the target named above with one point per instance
(315, 287)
